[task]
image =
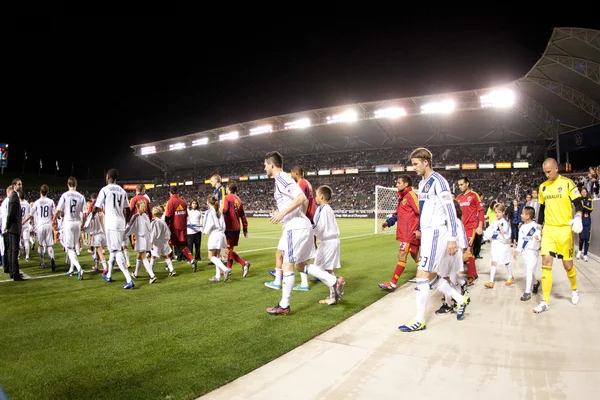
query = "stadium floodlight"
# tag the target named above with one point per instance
(177, 146)
(229, 136)
(348, 116)
(393, 112)
(199, 142)
(259, 130)
(498, 98)
(148, 150)
(438, 107)
(300, 123)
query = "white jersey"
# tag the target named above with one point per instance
(499, 231)
(114, 199)
(529, 237)
(25, 210)
(286, 190)
(159, 231)
(461, 239)
(436, 205)
(212, 223)
(42, 211)
(71, 204)
(325, 226)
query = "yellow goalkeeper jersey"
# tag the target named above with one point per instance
(557, 196)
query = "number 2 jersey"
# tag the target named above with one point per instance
(42, 211)
(71, 204)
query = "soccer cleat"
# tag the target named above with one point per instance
(340, 283)
(460, 313)
(153, 279)
(194, 265)
(413, 326)
(272, 272)
(108, 279)
(444, 309)
(301, 288)
(134, 276)
(172, 273)
(540, 308)
(43, 266)
(129, 285)
(53, 264)
(536, 287)
(526, 296)
(330, 300)
(510, 281)
(95, 268)
(387, 286)
(226, 275)
(574, 297)
(279, 310)
(26, 258)
(273, 285)
(215, 279)
(489, 285)
(246, 269)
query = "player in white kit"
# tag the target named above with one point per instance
(113, 198)
(26, 231)
(529, 246)
(297, 239)
(438, 232)
(42, 212)
(70, 208)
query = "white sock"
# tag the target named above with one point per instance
(126, 254)
(492, 273)
(122, 266)
(170, 265)
(50, 252)
(219, 263)
(422, 295)
(217, 272)
(111, 261)
(148, 267)
(447, 299)
(41, 253)
(26, 249)
(73, 257)
(320, 273)
(303, 279)
(104, 265)
(137, 266)
(289, 278)
(509, 266)
(278, 276)
(444, 287)
(530, 276)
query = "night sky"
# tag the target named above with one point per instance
(100, 86)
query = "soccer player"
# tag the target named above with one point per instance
(406, 219)
(140, 194)
(473, 219)
(139, 225)
(70, 207)
(43, 211)
(113, 198)
(26, 231)
(176, 218)
(97, 236)
(500, 234)
(326, 230)
(214, 227)
(557, 197)
(297, 240)
(219, 189)
(233, 212)
(529, 247)
(438, 231)
(159, 238)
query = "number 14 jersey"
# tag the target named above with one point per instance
(114, 199)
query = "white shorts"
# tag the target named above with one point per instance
(216, 241)
(141, 244)
(98, 240)
(26, 232)
(451, 264)
(114, 239)
(161, 248)
(297, 245)
(530, 260)
(45, 236)
(328, 254)
(433, 248)
(500, 252)
(71, 233)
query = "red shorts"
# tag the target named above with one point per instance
(179, 237)
(233, 239)
(406, 247)
(470, 232)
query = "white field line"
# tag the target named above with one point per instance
(161, 262)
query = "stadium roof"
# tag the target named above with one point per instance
(560, 93)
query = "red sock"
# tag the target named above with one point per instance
(237, 258)
(229, 259)
(471, 270)
(398, 271)
(187, 254)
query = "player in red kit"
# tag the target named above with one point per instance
(140, 191)
(233, 212)
(472, 218)
(406, 219)
(176, 218)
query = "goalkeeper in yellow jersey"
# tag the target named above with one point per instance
(557, 196)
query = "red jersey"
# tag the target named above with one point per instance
(233, 211)
(472, 209)
(177, 214)
(407, 217)
(133, 202)
(308, 192)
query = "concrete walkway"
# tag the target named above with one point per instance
(501, 350)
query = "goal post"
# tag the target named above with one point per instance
(386, 201)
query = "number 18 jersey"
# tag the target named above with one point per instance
(114, 199)
(42, 210)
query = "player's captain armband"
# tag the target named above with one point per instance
(446, 197)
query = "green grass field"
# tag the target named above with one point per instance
(179, 338)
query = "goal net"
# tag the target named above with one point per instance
(386, 201)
